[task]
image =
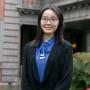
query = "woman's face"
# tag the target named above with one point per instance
(49, 22)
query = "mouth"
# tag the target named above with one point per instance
(48, 27)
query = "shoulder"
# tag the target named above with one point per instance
(29, 45)
(67, 45)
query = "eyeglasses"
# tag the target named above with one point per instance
(52, 19)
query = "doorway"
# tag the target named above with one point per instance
(77, 38)
(28, 33)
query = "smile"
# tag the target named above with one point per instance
(48, 27)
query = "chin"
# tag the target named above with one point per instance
(48, 33)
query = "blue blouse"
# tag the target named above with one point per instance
(42, 54)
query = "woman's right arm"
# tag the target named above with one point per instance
(25, 84)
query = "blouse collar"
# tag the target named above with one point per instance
(50, 41)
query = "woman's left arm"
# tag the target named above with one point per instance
(65, 82)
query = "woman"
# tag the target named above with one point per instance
(48, 59)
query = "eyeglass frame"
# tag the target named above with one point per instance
(50, 19)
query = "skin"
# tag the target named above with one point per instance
(49, 27)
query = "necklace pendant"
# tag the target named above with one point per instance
(42, 56)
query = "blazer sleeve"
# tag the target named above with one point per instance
(65, 82)
(25, 83)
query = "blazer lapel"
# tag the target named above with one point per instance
(34, 66)
(50, 60)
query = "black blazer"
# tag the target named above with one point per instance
(58, 72)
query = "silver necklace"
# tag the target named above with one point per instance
(42, 55)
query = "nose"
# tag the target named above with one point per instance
(48, 22)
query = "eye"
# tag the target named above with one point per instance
(44, 18)
(53, 19)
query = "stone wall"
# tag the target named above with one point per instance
(11, 42)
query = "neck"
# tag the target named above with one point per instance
(47, 37)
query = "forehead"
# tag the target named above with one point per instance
(49, 13)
